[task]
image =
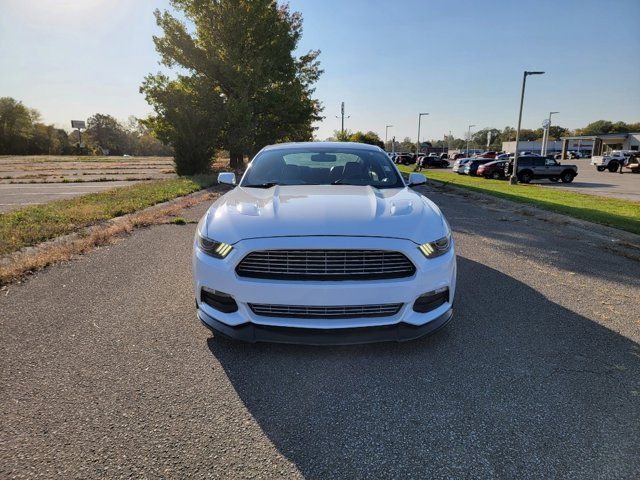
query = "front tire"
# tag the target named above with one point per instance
(613, 167)
(525, 177)
(601, 169)
(567, 177)
(495, 175)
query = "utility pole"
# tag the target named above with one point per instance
(342, 116)
(418, 142)
(514, 178)
(469, 138)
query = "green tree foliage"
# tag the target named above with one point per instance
(407, 145)
(106, 135)
(342, 135)
(22, 133)
(605, 126)
(242, 86)
(370, 138)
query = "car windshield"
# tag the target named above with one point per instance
(322, 166)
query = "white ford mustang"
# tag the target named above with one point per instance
(323, 243)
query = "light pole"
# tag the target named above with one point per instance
(547, 130)
(514, 179)
(418, 143)
(386, 134)
(469, 138)
(342, 116)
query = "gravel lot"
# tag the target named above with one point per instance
(106, 372)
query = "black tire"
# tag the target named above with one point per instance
(613, 166)
(525, 177)
(406, 162)
(567, 176)
(554, 179)
(495, 175)
(601, 169)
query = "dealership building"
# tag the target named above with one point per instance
(588, 145)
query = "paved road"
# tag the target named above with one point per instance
(107, 373)
(608, 184)
(589, 180)
(14, 196)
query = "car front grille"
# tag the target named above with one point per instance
(325, 265)
(329, 312)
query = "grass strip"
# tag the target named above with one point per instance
(613, 212)
(35, 224)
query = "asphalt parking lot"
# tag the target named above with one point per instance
(14, 196)
(589, 180)
(108, 374)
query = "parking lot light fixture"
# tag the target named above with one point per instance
(418, 142)
(469, 138)
(514, 178)
(386, 134)
(547, 131)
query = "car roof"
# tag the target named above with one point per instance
(311, 145)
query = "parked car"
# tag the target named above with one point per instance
(504, 156)
(488, 155)
(405, 159)
(459, 164)
(494, 169)
(456, 156)
(266, 274)
(471, 167)
(530, 168)
(610, 161)
(431, 162)
(570, 155)
(528, 154)
(633, 163)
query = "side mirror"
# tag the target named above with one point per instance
(228, 178)
(417, 179)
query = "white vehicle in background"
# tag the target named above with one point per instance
(611, 161)
(458, 165)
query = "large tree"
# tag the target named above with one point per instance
(242, 52)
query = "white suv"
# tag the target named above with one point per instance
(323, 243)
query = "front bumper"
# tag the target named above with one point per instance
(220, 275)
(400, 332)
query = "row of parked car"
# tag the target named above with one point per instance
(531, 166)
(433, 160)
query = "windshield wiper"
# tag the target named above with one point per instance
(340, 181)
(262, 185)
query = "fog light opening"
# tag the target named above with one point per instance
(219, 300)
(431, 300)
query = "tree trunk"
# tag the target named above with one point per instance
(236, 160)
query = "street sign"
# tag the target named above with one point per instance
(78, 124)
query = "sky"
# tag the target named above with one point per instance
(461, 61)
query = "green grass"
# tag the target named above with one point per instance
(613, 212)
(34, 224)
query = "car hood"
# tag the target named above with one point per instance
(323, 210)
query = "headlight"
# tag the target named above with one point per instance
(213, 248)
(437, 248)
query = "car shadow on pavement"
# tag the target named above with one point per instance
(516, 386)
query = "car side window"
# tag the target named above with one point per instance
(550, 163)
